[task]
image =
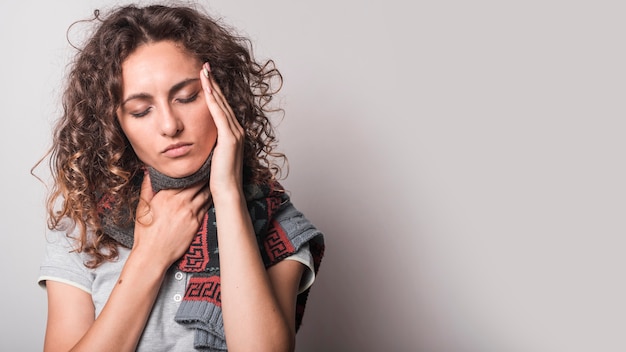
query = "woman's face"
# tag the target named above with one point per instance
(163, 112)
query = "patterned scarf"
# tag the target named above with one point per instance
(277, 238)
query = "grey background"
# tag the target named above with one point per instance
(464, 158)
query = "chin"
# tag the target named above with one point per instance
(182, 169)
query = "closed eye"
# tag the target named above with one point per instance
(190, 99)
(141, 114)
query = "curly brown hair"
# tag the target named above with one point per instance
(90, 155)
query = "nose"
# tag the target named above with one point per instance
(170, 124)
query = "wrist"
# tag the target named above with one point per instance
(152, 265)
(225, 197)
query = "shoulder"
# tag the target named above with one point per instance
(63, 261)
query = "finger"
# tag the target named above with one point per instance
(146, 193)
(215, 100)
(202, 199)
(217, 110)
(205, 208)
(145, 196)
(213, 94)
(215, 89)
(232, 118)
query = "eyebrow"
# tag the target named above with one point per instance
(175, 88)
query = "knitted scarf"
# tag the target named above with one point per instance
(277, 238)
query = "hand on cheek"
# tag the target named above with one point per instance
(226, 168)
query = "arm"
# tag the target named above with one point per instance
(258, 305)
(71, 325)
(162, 234)
(70, 314)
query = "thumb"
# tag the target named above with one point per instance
(146, 193)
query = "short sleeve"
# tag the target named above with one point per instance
(303, 255)
(61, 263)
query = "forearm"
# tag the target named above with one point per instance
(121, 322)
(171, 221)
(249, 306)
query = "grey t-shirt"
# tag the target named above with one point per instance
(161, 333)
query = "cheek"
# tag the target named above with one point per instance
(206, 123)
(139, 151)
(211, 129)
(211, 124)
(136, 140)
(209, 133)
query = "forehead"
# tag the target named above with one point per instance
(163, 62)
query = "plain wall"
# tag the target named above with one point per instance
(465, 160)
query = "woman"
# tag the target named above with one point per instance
(164, 140)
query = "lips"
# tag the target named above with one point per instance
(177, 150)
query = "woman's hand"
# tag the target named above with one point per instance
(264, 321)
(227, 163)
(166, 222)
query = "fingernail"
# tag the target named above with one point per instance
(206, 69)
